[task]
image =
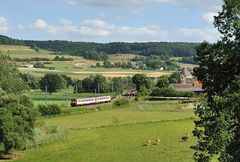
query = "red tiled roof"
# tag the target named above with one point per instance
(197, 84)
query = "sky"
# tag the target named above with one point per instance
(110, 20)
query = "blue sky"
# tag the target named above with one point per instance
(110, 20)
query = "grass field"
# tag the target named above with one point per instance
(79, 68)
(120, 134)
(121, 57)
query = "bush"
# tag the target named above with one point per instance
(186, 94)
(39, 65)
(170, 92)
(17, 118)
(164, 92)
(121, 102)
(49, 110)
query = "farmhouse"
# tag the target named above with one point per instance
(186, 76)
(188, 82)
(29, 65)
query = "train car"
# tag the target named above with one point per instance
(103, 99)
(90, 101)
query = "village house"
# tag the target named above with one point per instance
(188, 82)
(29, 65)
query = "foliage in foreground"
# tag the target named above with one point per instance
(218, 127)
(17, 117)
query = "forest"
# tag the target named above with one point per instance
(175, 49)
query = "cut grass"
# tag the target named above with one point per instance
(120, 134)
(120, 143)
(135, 113)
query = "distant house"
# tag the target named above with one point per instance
(29, 65)
(186, 76)
(188, 82)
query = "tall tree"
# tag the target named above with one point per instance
(101, 84)
(163, 82)
(10, 80)
(68, 80)
(17, 118)
(77, 88)
(52, 83)
(218, 126)
(88, 84)
(141, 81)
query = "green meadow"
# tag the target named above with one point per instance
(110, 133)
(105, 132)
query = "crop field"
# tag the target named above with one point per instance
(110, 133)
(79, 68)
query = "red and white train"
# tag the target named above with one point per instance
(90, 101)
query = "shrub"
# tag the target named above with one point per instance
(121, 102)
(51, 68)
(170, 92)
(49, 110)
(17, 120)
(164, 92)
(186, 94)
(39, 65)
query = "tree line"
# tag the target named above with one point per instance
(175, 49)
(87, 49)
(144, 85)
(143, 63)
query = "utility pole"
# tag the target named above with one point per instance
(95, 91)
(66, 98)
(46, 91)
(112, 87)
(98, 87)
(76, 92)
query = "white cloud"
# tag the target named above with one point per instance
(101, 31)
(198, 35)
(42, 26)
(209, 16)
(4, 27)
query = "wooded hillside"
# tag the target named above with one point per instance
(177, 49)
